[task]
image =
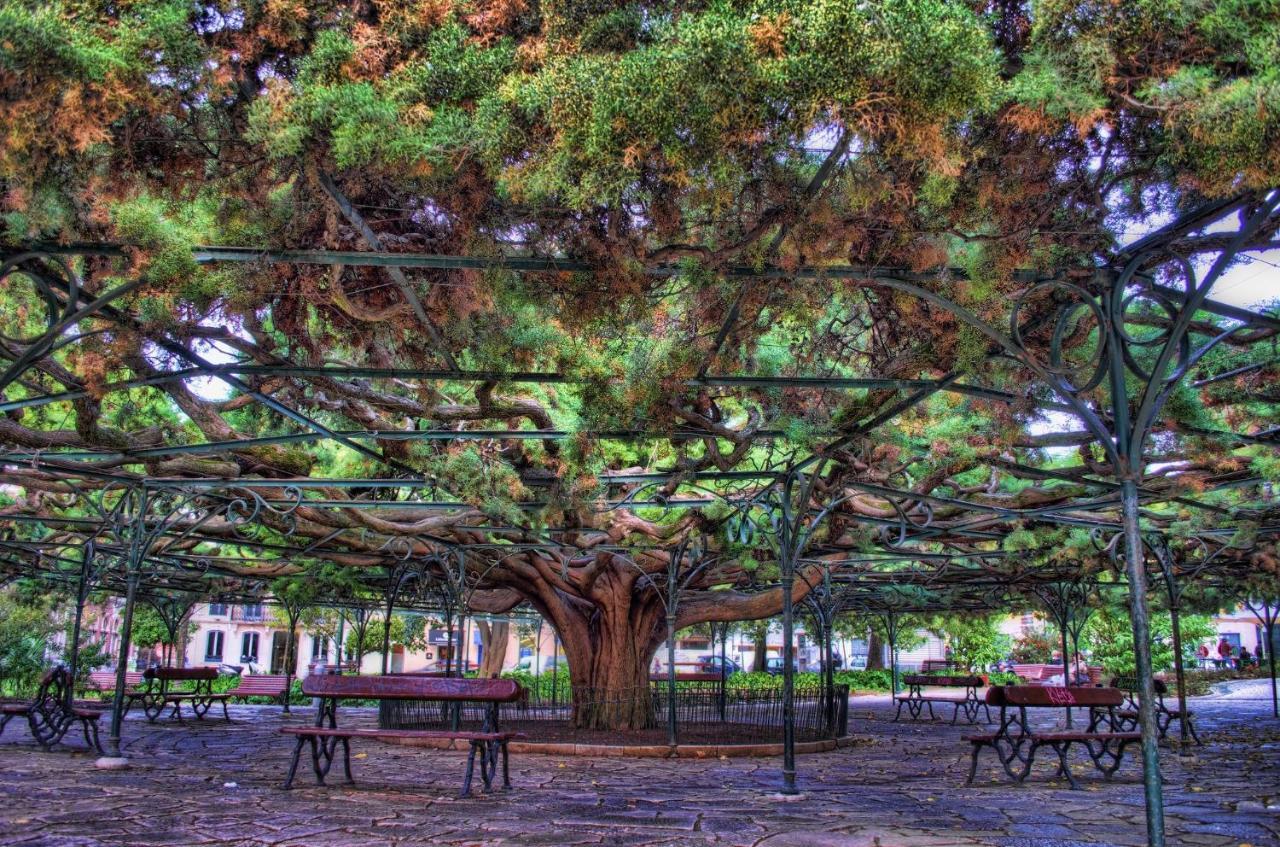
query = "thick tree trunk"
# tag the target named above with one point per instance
(875, 651)
(609, 652)
(610, 626)
(760, 645)
(493, 642)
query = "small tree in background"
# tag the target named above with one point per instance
(26, 625)
(976, 641)
(1109, 639)
(1035, 646)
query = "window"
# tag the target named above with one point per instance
(249, 647)
(213, 646)
(252, 612)
(217, 609)
(319, 648)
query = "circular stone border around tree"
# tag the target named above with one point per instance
(647, 751)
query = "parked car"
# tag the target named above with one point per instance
(774, 665)
(711, 664)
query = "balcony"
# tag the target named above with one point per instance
(249, 614)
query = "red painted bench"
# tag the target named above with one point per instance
(260, 685)
(104, 682)
(1032, 674)
(916, 699)
(1016, 742)
(325, 735)
(165, 687)
(1126, 717)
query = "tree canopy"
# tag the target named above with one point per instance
(535, 291)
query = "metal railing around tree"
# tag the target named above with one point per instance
(706, 713)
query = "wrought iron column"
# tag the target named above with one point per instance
(82, 596)
(1179, 678)
(134, 576)
(788, 677)
(891, 630)
(1268, 611)
(342, 625)
(1136, 573)
(672, 732)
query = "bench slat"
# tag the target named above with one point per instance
(339, 732)
(950, 681)
(1052, 695)
(412, 688)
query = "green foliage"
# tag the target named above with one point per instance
(26, 624)
(1108, 637)
(1035, 647)
(149, 628)
(543, 685)
(975, 640)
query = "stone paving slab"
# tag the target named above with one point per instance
(218, 784)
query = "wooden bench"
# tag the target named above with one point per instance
(104, 682)
(1126, 717)
(1041, 674)
(916, 699)
(158, 692)
(1033, 674)
(936, 665)
(52, 714)
(1016, 742)
(273, 686)
(325, 735)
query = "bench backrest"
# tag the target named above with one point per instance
(1130, 684)
(261, 682)
(948, 681)
(108, 678)
(180, 674)
(688, 676)
(1052, 695)
(1037, 671)
(402, 687)
(936, 665)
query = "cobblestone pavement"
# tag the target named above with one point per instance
(902, 785)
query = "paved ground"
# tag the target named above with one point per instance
(903, 787)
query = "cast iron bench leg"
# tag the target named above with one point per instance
(90, 728)
(315, 758)
(346, 760)
(471, 764)
(1061, 749)
(973, 762)
(293, 764)
(506, 771)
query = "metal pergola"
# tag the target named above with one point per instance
(104, 519)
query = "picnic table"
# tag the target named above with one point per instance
(324, 737)
(171, 687)
(1016, 741)
(50, 715)
(1126, 717)
(917, 699)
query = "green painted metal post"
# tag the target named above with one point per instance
(82, 596)
(672, 738)
(122, 664)
(1135, 570)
